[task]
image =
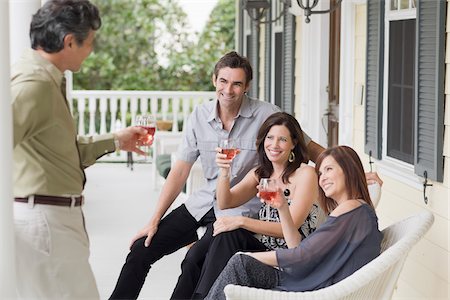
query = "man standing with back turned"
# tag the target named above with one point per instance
(51, 240)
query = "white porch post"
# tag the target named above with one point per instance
(21, 12)
(15, 17)
(7, 258)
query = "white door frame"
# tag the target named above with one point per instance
(349, 94)
(314, 74)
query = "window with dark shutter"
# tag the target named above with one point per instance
(413, 85)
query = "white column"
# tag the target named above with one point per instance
(314, 74)
(21, 12)
(7, 258)
(347, 88)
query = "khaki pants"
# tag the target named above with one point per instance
(52, 253)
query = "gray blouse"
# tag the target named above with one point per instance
(338, 248)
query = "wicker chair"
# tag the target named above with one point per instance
(376, 280)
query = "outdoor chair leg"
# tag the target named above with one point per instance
(130, 160)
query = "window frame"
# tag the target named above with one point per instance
(277, 28)
(388, 165)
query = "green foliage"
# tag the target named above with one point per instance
(136, 34)
(216, 39)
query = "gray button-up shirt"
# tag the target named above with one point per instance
(203, 131)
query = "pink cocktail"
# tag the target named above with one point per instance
(268, 196)
(231, 153)
(148, 140)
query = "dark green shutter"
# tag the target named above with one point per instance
(287, 103)
(430, 89)
(253, 55)
(268, 57)
(374, 77)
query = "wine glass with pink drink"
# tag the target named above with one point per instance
(268, 192)
(148, 123)
(229, 148)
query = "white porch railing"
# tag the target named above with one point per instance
(164, 105)
(107, 111)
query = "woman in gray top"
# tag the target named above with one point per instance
(348, 239)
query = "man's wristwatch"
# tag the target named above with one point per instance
(116, 143)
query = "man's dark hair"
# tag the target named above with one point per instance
(234, 60)
(58, 18)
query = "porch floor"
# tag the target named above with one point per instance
(119, 202)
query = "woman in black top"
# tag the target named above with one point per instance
(282, 156)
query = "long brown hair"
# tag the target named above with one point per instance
(265, 168)
(355, 178)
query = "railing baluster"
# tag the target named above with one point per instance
(81, 110)
(113, 111)
(133, 108)
(143, 104)
(175, 109)
(103, 110)
(186, 109)
(164, 107)
(92, 110)
(154, 105)
(123, 110)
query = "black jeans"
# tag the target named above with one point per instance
(199, 273)
(191, 266)
(176, 230)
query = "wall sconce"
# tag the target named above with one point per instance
(256, 10)
(308, 6)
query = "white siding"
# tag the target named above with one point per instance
(426, 271)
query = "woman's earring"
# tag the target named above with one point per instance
(291, 157)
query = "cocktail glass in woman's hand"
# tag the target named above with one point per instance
(228, 147)
(268, 190)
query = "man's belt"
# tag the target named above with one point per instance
(52, 200)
